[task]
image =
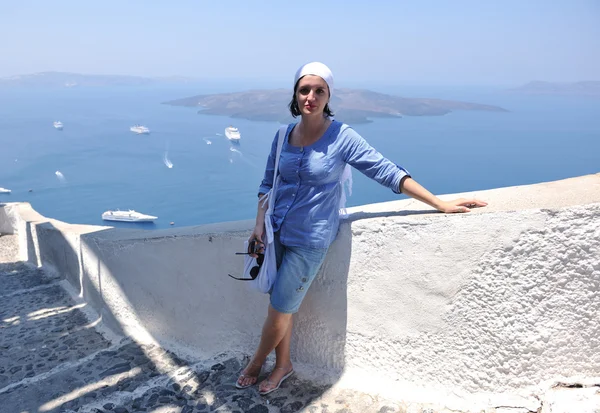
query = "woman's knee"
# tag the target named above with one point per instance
(278, 319)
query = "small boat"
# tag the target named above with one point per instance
(140, 130)
(127, 216)
(233, 134)
(58, 125)
(5, 191)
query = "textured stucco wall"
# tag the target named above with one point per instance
(501, 299)
(8, 219)
(486, 302)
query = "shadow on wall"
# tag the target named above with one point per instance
(360, 215)
(178, 289)
(320, 326)
(32, 253)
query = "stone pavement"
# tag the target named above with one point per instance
(53, 358)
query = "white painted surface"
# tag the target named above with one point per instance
(572, 400)
(489, 306)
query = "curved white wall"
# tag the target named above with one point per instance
(502, 300)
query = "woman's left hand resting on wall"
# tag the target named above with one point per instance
(460, 205)
(412, 188)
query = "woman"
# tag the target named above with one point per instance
(305, 217)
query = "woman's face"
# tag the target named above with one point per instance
(312, 95)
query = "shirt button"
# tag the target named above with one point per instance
(293, 194)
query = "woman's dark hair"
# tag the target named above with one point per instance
(295, 110)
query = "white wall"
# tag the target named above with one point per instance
(503, 299)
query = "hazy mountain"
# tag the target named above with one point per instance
(584, 88)
(349, 105)
(64, 79)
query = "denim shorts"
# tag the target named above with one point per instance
(297, 267)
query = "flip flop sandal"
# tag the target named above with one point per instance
(248, 376)
(270, 383)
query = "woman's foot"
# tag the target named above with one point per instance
(277, 376)
(249, 375)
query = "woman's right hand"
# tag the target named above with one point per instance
(258, 235)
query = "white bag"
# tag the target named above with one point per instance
(267, 272)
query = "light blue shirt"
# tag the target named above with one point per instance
(307, 202)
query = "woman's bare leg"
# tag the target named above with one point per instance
(283, 362)
(274, 331)
(282, 351)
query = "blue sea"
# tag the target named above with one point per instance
(104, 166)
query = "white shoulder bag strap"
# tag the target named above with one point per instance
(270, 196)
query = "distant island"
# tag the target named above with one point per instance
(584, 88)
(65, 79)
(349, 105)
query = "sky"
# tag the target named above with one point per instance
(467, 42)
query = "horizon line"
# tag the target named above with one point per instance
(284, 79)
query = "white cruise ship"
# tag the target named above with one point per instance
(233, 134)
(58, 125)
(140, 130)
(4, 191)
(127, 216)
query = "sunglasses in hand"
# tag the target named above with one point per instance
(255, 247)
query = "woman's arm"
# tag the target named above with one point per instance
(259, 228)
(267, 181)
(414, 190)
(263, 205)
(358, 153)
(362, 156)
(265, 186)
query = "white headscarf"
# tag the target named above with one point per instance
(318, 69)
